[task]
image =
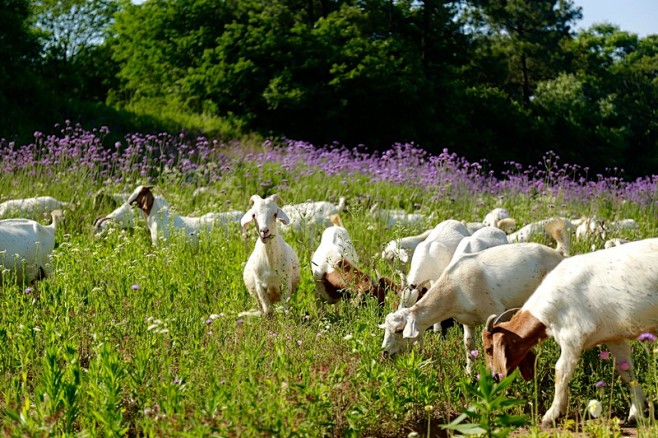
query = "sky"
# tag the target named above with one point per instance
(635, 16)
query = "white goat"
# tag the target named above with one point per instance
(399, 251)
(559, 229)
(32, 207)
(162, 221)
(26, 247)
(430, 258)
(272, 270)
(393, 217)
(500, 218)
(334, 268)
(123, 217)
(311, 216)
(602, 297)
(500, 277)
(481, 239)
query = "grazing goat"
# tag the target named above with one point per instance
(311, 216)
(398, 217)
(123, 217)
(556, 228)
(335, 271)
(500, 277)
(161, 220)
(480, 240)
(430, 258)
(32, 207)
(499, 218)
(272, 270)
(400, 250)
(602, 297)
(26, 247)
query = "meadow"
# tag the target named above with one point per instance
(128, 339)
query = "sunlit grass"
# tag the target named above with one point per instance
(130, 339)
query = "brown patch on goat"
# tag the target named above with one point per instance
(508, 345)
(347, 280)
(144, 200)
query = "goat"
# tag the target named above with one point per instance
(32, 207)
(26, 247)
(398, 217)
(481, 239)
(311, 216)
(430, 258)
(272, 271)
(500, 277)
(401, 250)
(499, 218)
(335, 272)
(602, 297)
(556, 228)
(161, 220)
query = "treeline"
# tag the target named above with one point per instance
(501, 80)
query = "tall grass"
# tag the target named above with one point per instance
(128, 339)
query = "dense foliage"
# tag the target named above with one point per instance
(490, 79)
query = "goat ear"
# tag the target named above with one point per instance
(253, 199)
(276, 198)
(282, 217)
(248, 218)
(404, 257)
(410, 330)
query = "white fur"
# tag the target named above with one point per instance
(162, 221)
(481, 239)
(335, 245)
(500, 218)
(400, 251)
(272, 271)
(430, 258)
(603, 297)
(26, 247)
(500, 277)
(32, 207)
(311, 216)
(546, 228)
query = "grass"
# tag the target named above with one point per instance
(127, 339)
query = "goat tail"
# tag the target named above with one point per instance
(558, 230)
(336, 220)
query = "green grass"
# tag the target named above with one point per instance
(121, 341)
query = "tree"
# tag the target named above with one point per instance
(528, 35)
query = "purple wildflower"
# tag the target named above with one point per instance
(604, 355)
(649, 337)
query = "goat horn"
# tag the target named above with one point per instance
(490, 323)
(253, 199)
(506, 316)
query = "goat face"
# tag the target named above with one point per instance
(143, 198)
(264, 213)
(504, 350)
(394, 327)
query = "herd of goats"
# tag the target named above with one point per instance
(475, 273)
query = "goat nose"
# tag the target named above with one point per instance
(385, 354)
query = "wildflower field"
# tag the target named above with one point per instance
(128, 339)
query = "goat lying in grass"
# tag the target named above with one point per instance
(602, 297)
(32, 207)
(500, 277)
(162, 221)
(272, 271)
(311, 216)
(26, 247)
(334, 268)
